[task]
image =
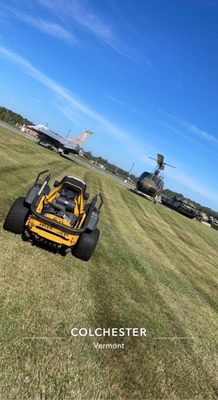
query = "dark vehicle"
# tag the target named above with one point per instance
(59, 217)
(181, 206)
(214, 224)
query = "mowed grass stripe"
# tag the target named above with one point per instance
(126, 246)
(152, 268)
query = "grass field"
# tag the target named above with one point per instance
(153, 268)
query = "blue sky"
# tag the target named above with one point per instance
(142, 75)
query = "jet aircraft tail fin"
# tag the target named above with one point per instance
(78, 140)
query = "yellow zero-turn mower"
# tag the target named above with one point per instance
(59, 217)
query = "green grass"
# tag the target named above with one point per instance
(152, 268)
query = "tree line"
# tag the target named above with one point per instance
(111, 167)
(12, 117)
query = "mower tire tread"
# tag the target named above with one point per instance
(16, 218)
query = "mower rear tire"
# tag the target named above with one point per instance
(17, 215)
(86, 245)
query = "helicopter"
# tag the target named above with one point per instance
(149, 184)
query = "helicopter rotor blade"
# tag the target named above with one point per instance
(152, 158)
(160, 161)
(172, 166)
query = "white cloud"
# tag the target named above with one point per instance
(200, 132)
(190, 127)
(120, 102)
(51, 28)
(48, 27)
(71, 115)
(115, 100)
(173, 129)
(79, 11)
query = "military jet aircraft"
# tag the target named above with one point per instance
(54, 141)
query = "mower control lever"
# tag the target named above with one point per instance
(41, 173)
(102, 201)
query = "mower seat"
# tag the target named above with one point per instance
(66, 201)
